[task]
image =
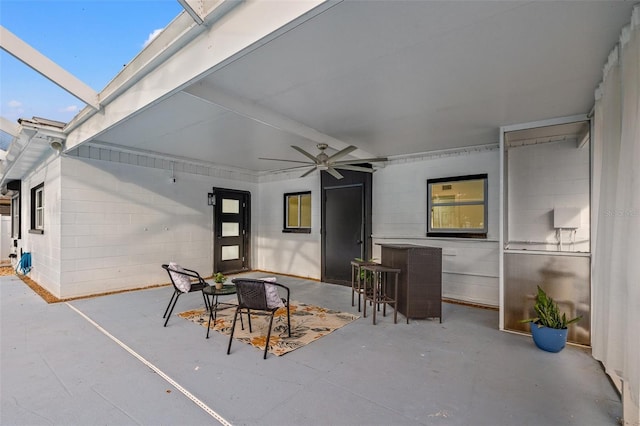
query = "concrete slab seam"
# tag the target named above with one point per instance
(159, 372)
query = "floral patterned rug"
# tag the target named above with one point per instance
(308, 323)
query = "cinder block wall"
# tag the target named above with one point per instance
(44, 247)
(120, 217)
(120, 221)
(290, 253)
(544, 177)
(470, 267)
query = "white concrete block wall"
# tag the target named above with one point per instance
(542, 178)
(288, 253)
(45, 247)
(470, 267)
(120, 222)
(120, 217)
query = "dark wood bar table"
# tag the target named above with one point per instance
(420, 280)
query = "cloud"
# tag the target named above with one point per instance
(70, 108)
(14, 111)
(152, 36)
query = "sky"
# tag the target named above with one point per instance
(91, 39)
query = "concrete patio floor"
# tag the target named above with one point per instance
(68, 364)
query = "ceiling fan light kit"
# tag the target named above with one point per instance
(322, 161)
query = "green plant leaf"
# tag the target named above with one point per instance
(549, 313)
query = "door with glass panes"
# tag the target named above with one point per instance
(231, 218)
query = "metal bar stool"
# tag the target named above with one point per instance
(377, 291)
(357, 284)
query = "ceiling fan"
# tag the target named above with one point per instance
(322, 161)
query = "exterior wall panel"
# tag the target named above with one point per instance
(121, 222)
(470, 267)
(44, 248)
(289, 253)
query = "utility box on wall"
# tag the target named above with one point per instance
(566, 218)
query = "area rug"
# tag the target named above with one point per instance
(308, 324)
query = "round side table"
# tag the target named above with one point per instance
(212, 294)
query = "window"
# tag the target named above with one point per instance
(15, 217)
(457, 207)
(37, 209)
(297, 212)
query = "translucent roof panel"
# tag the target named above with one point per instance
(5, 140)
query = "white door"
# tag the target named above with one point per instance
(5, 237)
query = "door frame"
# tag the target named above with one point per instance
(246, 218)
(350, 178)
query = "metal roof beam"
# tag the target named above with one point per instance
(252, 24)
(9, 127)
(194, 8)
(207, 11)
(266, 116)
(13, 45)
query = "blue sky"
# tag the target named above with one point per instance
(91, 39)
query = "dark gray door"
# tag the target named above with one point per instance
(346, 223)
(231, 230)
(343, 231)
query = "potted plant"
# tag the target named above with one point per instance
(219, 279)
(549, 328)
(371, 261)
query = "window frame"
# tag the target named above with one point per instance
(480, 233)
(37, 220)
(285, 225)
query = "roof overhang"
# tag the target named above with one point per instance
(31, 145)
(394, 79)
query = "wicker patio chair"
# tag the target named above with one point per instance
(259, 296)
(184, 281)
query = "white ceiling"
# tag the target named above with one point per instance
(392, 78)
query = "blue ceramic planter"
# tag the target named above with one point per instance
(549, 339)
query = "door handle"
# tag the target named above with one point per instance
(359, 242)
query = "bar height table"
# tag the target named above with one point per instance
(420, 284)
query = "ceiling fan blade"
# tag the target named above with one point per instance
(342, 152)
(361, 161)
(354, 168)
(286, 169)
(333, 172)
(288, 161)
(305, 153)
(308, 172)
